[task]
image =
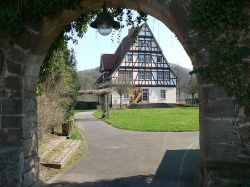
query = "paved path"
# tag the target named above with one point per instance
(120, 158)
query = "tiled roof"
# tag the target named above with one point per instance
(108, 61)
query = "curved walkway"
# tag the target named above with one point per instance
(121, 158)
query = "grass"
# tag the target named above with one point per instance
(76, 134)
(156, 119)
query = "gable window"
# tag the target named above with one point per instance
(160, 75)
(141, 75)
(121, 75)
(125, 75)
(148, 75)
(147, 58)
(130, 58)
(141, 58)
(149, 44)
(163, 94)
(167, 75)
(129, 75)
(140, 43)
(126, 96)
(159, 59)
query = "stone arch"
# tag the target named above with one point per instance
(20, 61)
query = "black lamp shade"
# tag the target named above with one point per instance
(105, 17)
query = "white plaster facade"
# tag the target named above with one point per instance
(154, 96)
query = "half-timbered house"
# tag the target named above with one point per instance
(140, 62)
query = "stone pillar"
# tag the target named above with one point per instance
(18, 118)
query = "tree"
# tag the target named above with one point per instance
(192, 87)
(122, 86)
(58, 86)
(182, 80)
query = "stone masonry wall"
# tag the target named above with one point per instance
(18, 123)
(222, 138)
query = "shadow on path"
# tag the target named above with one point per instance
(178, 168)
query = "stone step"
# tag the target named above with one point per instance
(50, 147)
(59, 160)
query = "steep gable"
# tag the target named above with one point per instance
(139, 56)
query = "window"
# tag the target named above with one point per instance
(121, 75)
(159, 59)
(140, 43)
(167, 75)
(150, 44)
(141, 75)
(130, 58)
(148, 75)
(126, 96)
(160, 75)
(147, 58)
(141, 58)
(163, 94)
(125, 75)
(129, 75)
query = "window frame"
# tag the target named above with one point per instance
(126, 96)
(166, 75)
(158, 75)
(141, 56)
(163, 94)
(141, 74)
(147, 58)
(129, 57)
(129, 75)
(148, 73)
(159, 59)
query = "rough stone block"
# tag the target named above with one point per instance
(211, 92)
(12, 121)
(34, 61)
(29, 130)
(31, 162)
(244, 131)
(12, 106)
(13, 82)
(30, 146)
(223, 108)
(30, 86)
(11, 93)
(12, 136)
(2, 137)
(224, 152)
(31, 176)
(216, 130)
(17, 54)
(1, 123)
(14, 68)
(27, 40)
(29, 105)
(1, 65)
(11, 166)
(32, 71)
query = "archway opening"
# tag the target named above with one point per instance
(20, 64)
(181, 155)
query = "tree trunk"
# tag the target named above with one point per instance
(192, 99)
(120, 101)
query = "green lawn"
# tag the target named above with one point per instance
(156, 119)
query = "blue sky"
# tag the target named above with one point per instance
(93, 45)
